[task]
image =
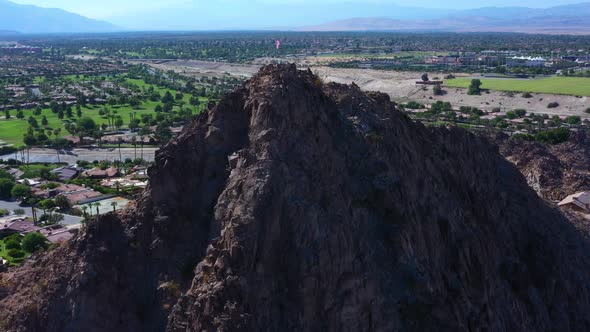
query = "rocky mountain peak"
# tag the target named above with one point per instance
(300, 205)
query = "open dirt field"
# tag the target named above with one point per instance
(401, 86)
(199, 68)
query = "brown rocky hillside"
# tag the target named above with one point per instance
(296, 205)
(554, 171)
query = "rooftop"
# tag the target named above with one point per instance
(79, 196)
(581, 200)
(66, 173)
(19, 225)
(102, 173)
(56, 233)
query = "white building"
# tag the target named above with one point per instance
(579, 201)
(526, 61)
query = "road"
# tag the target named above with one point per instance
(68, 221)
(38, 155)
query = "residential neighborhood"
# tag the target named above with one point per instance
(54, 200)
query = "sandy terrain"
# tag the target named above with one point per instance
(400, 86)
(199, 68)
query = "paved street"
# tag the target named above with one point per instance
(51, 156)
(11, 206)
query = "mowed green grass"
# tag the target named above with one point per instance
(12, 130)
(4, 254)
(577, 86)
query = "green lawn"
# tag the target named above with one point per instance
(12, 130)
(11, 261)
(73, 78)
(36, 167)
(34, 170)
(577, 86)
(3, 253)
(186, 97)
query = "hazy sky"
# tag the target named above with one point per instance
(105, 9)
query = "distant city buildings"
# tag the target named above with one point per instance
(488, 59)
(20, 50)
(526, 61)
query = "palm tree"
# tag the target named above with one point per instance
(114, 205)
(119, 142)
(56, 133)
(85, 210)
(141, 138)
(132, 116)
(98, 136)
(34, 215)
(97, 204)
(143, 132)
(134, 141)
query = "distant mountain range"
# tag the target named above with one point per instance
(7, 32)
(32, 19)
(379, 16)
(566, 19)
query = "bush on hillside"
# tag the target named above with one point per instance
(414, 105)
(573, 120)
(12, 244)
(16, 253)
(15, 237)
(553, 136)
(33, 242)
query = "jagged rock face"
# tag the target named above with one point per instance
(303, 206)
(554, 171)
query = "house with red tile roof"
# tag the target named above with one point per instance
(97, 173)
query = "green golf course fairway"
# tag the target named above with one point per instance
(13, 129)
(576, 86)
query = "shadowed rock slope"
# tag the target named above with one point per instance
(301, 206)
(554, 171)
